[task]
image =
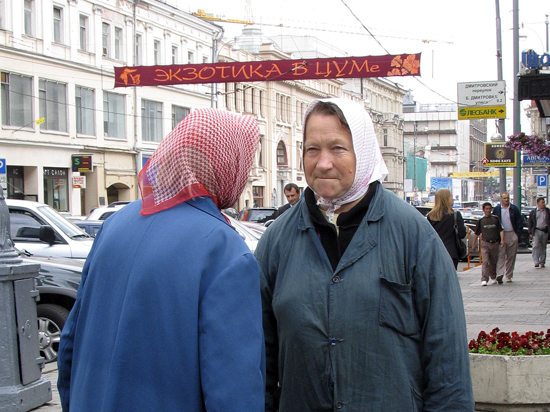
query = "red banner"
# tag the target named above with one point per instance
(269, 70)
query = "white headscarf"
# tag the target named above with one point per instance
(370, 165)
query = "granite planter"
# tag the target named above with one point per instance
(511, 383)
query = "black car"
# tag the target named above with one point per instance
(91, 227)
(57, 282)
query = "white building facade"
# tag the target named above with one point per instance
(58, 100)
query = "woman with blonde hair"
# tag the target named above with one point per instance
(441, 217)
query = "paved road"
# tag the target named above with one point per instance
(521, 306)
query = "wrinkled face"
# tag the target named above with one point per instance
(505, 199)
(292, 196)
(487, 210)
(329, 159)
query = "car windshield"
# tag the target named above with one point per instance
(261, 215)
(69, 228)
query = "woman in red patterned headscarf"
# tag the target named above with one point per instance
(168, 311)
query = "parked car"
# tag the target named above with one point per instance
(250, 237)
(42, 231)
(91, 227)
(57, 282)
(103, 212)
(258, 214)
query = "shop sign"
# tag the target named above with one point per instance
(55, 172)
(499, 155)
(82, 163)
(79, 182)
(532, 60)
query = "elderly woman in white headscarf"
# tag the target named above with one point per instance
(362, 308)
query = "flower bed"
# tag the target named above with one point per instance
(512, 344)
(511, 372)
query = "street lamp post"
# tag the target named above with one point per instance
(414, 163)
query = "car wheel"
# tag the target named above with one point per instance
(51, 319)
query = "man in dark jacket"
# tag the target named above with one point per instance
(512, 223)
(292, 193)
(539, 220)
(490, 231)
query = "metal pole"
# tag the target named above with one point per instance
(546, 33)
(516, 121)
(414, 163)
(501, 122)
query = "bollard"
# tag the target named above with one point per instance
(22, 387)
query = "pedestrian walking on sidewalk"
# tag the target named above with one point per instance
(512, 223)
(168, 314)
(539, 221)
(489, 229)
(442, 219)
(362, 305)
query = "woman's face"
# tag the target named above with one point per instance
(329, 159)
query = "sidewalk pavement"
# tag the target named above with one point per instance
(520, 306)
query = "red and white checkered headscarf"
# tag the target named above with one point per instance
(209, 153)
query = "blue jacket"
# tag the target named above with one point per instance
(385, 331)
(167, 317)
(515, 217)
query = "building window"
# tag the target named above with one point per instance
(156, 51)
(29, 17)
(261, 160)
(106, 39)
(113, 115)
(16, 100)
(262, 103)
(178, 114)
(299, 157)
(58, 24)
(190, 57)
(151, 121)
(258, 196)
(84, 99)
(385, 134)
(139, 48)
(281, 155)
(118, 43)
(56, 188)
(53, 105)
(174, 55)
(83, 32)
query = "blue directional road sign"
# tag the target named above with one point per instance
(541, 180)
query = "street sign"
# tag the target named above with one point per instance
(531, 161)
(491, 93)
(2, 166)
(499, 155)
(541, 180)
(482, 112)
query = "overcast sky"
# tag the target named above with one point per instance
(457, 39)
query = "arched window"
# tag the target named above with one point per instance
(281, 155)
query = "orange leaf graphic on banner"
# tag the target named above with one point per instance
(410, 65)
(394, 72)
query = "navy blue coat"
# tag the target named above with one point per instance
(515, 217)
(167, 318)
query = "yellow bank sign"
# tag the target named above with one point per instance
(482, 112)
